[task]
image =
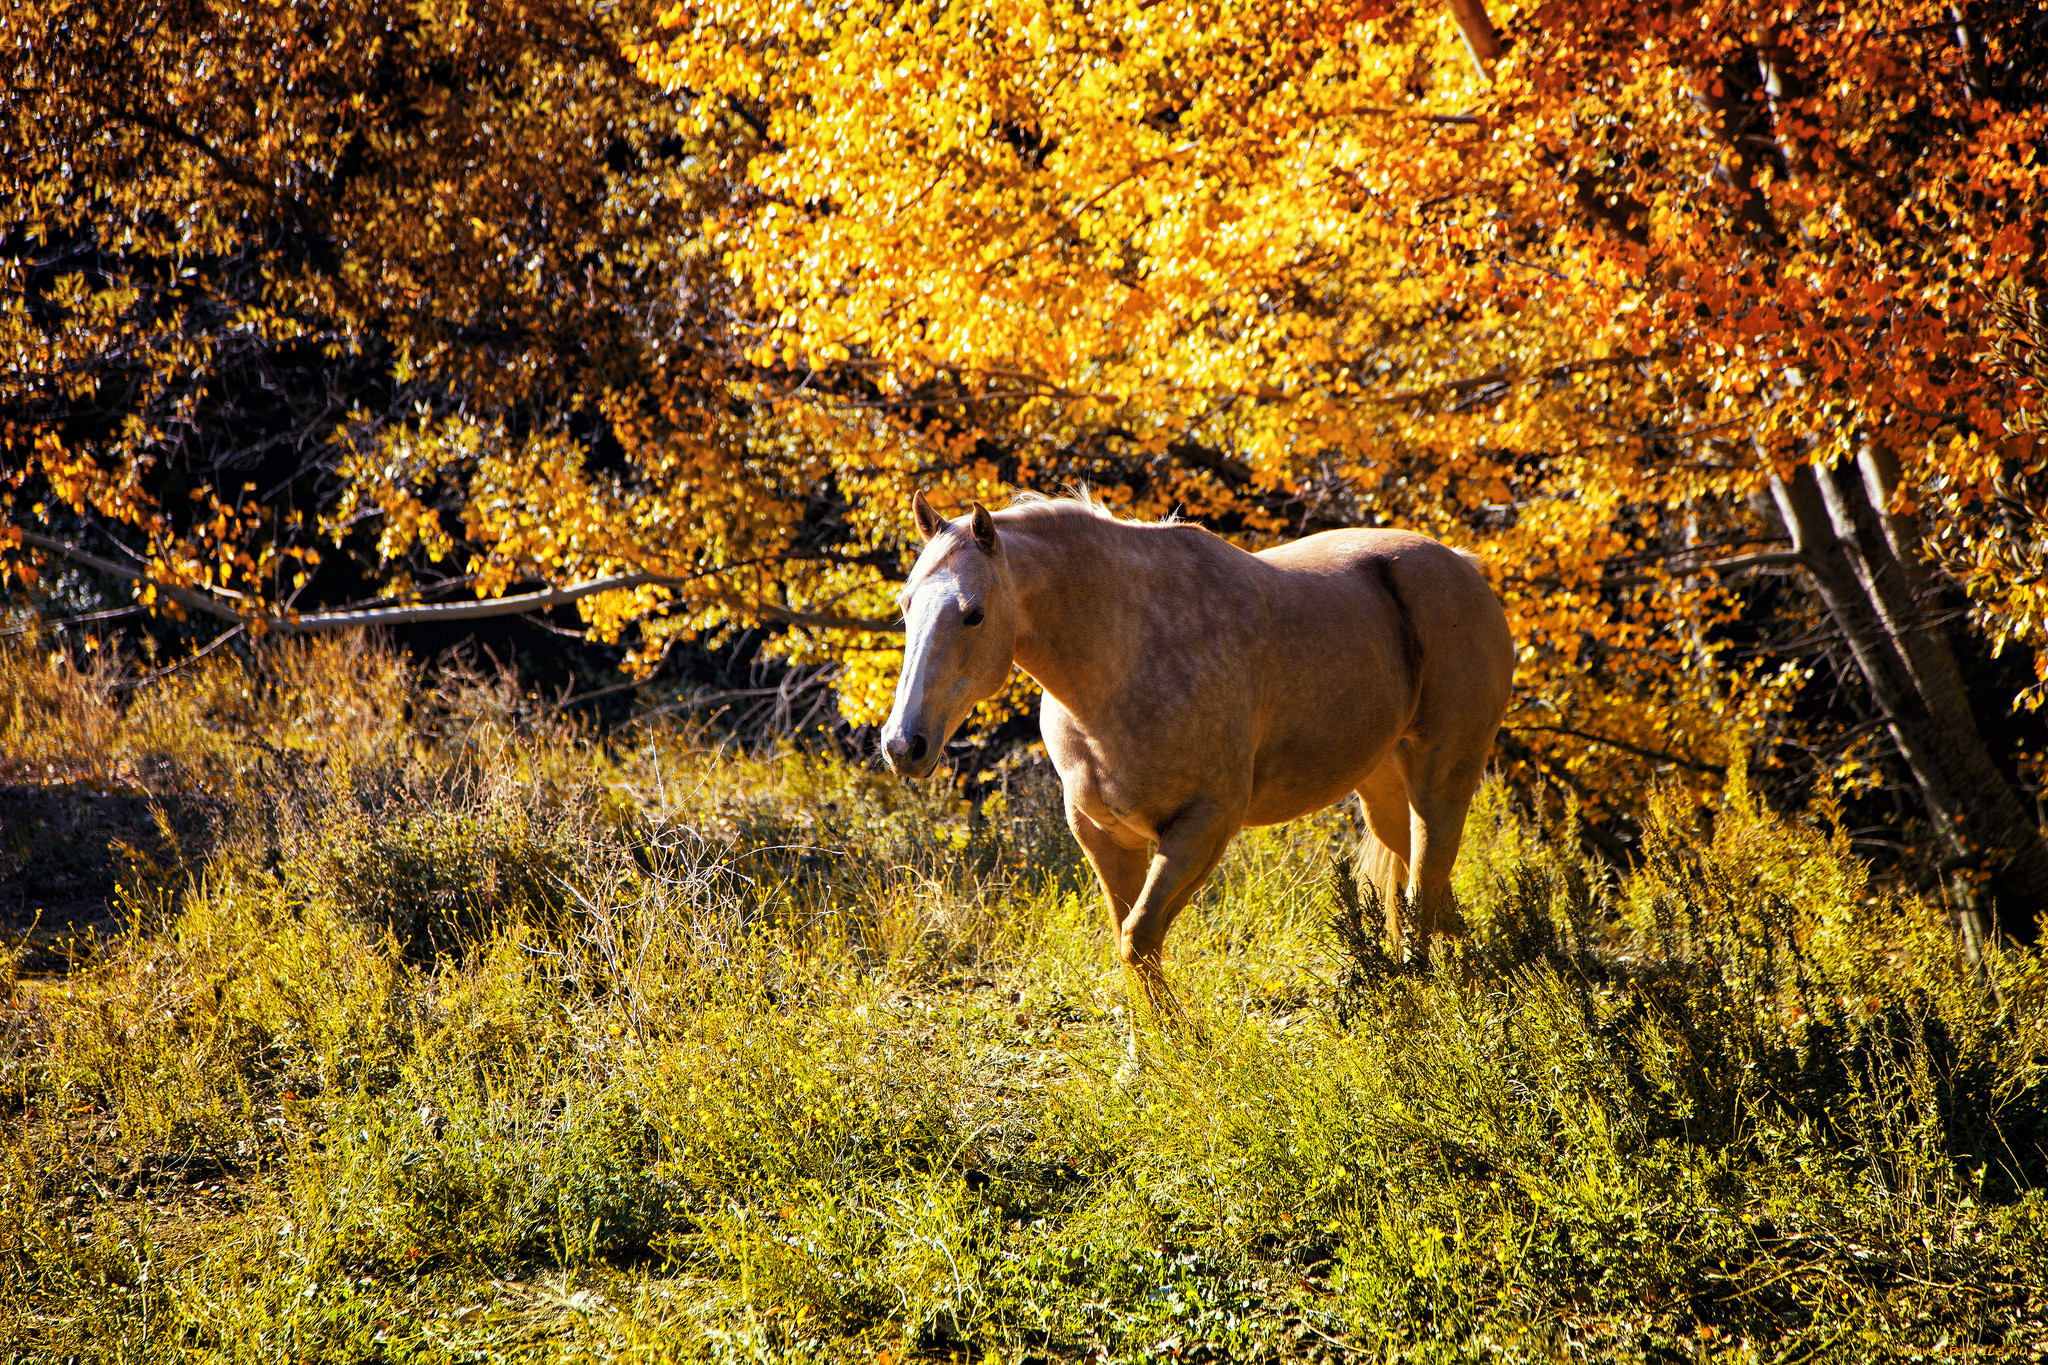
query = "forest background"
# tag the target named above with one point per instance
(1716, 328)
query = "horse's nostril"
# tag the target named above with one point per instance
(917, 748)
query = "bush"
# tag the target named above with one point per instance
(443, 880)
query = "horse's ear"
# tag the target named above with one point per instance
(929, 522)
(984, 530)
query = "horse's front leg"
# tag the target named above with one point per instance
(1190, 845)
(1119, 861)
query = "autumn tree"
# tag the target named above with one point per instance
(442, 289)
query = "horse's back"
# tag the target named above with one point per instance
(1423, 563)
(1373, 635)
(1434, 595)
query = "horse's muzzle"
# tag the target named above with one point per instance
(910, 756)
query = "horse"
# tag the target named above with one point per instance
(1193, 688)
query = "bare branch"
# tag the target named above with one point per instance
(230, 633)
(1736, 564)
(821, 621)
(1656, 755)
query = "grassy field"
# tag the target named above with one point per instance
(432, 1031)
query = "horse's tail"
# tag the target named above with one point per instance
(1384, 870)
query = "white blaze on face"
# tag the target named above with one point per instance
(932, 678)
(923, 666)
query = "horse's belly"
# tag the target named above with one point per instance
(1287, 792)
(1291, 803)
(1315, 757)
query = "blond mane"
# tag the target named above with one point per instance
(1081, 498)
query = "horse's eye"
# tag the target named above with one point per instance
(973, 616)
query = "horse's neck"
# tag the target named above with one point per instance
(1079, 627)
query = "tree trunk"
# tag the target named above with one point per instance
(1865, 563)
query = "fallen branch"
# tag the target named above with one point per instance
(518, 605)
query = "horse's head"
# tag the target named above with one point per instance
(959, 635)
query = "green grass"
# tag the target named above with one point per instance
(457, 1037)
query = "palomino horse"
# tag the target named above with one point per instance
(1192, 689)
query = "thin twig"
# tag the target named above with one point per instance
(218, 641)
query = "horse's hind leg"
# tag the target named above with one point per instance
(1383, 861)
(1440, 789)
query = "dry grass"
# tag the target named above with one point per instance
(442, 1033)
